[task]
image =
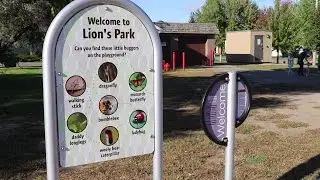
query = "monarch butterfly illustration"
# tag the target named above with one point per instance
(138, 79)
(137, 82)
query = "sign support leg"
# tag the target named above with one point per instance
(157, 156)
(231, 117)
(50, 120)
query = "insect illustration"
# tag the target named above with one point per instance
(139, 118)
(75, 86)
(137, 81)
(109, 137)
(108, 105)
(107, 72)
(105, 106)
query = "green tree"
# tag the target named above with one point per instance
(58, 5)
(242, 15)
(229, 15)
(194, 17)
(214, 11)
(316, 30)
(21, 20)
(283, 24)
(264, 16)
(306, 19)
(25, 22)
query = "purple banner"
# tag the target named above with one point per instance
(214, 108)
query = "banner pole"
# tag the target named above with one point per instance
(231, 118)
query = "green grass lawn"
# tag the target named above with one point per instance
(188, 153)
(20, 71)
(21, 122)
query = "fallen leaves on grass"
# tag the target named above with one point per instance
(271, 115)
(256, 159)
(279, 119)
(247, 128)
(267, 155)
(290, 124)
(264, 155)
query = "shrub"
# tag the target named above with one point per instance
(8, 59)
(29, 58)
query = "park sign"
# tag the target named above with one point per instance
(214, 107)
(102, 84)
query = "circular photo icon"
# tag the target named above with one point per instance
(138, 119)
(77, 122)
(109, 136)
(75, 86)
(107, 72)
(137, 81)
(108, 105)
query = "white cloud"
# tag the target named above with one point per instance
(190, 7)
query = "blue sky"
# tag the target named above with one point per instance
(176, 10)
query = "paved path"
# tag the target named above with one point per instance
(27, 64)
(269, 76)
(300, 106)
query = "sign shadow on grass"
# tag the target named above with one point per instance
(21, 121)
(303, 169)
(183, 97)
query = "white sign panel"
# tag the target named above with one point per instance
(105, 87)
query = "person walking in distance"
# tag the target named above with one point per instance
(290, 63)
(302, 55)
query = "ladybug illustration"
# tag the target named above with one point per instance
(139, 118)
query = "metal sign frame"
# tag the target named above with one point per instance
(239, 120)
(49, 82)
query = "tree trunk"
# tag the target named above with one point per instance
(277, 55)
(221, 52)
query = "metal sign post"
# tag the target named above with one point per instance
(225, 106)
(215, 103)
(102, 85)
(231, 118)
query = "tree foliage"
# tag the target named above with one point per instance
(194, 17)
(284, 25)
(308, 18)
(229, 15)
(214, 11)
(264, 16)
(292, 23)
(57, 5)
(25, 22)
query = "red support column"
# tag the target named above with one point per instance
(173, 61)
(211, 57)
(183, 60)
(163, 62)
